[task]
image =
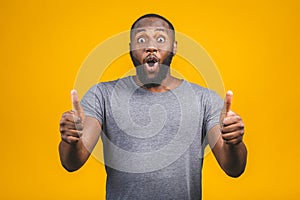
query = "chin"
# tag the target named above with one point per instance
(154, 79)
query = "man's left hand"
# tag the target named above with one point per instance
(231, 124)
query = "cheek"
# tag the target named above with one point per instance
(137, 54)
(164, 54)
(137, 47)
(165, 49)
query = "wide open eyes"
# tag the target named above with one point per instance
(141, 40)
(161, 39)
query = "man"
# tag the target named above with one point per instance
(154, 127)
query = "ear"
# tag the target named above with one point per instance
(175, 47)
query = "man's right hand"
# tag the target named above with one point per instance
(71, 123)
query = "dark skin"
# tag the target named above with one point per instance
(80, 133)
(153, 32)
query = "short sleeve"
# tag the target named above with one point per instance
(93, 103)
(214, 105)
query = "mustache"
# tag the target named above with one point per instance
(137, 63)
(151, 58)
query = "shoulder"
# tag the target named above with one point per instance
(107, 85)
(107, 88)
(202, 92)
(196, 87)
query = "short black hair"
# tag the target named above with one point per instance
(151, 15)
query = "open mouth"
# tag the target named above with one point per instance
(151, 60)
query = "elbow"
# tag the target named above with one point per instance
(68, 161)
(236, 167)
(235, 174)
(70, 168)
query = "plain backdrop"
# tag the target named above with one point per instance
(254, 44)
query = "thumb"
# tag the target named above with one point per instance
(227, 101)
(227, 105)
(76, 103)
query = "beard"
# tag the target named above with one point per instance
(147, 82)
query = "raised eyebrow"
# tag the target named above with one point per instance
(160, 29)
(140, 30)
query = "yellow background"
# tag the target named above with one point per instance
(255, 45)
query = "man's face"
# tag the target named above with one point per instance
(152, 48)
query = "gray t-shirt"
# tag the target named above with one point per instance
(153, 142)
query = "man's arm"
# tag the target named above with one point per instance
(79, 136)
(226, 141)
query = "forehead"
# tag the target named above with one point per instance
(152, 22)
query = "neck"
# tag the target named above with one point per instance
(169, 83)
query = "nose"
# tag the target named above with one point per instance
(151, 49)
